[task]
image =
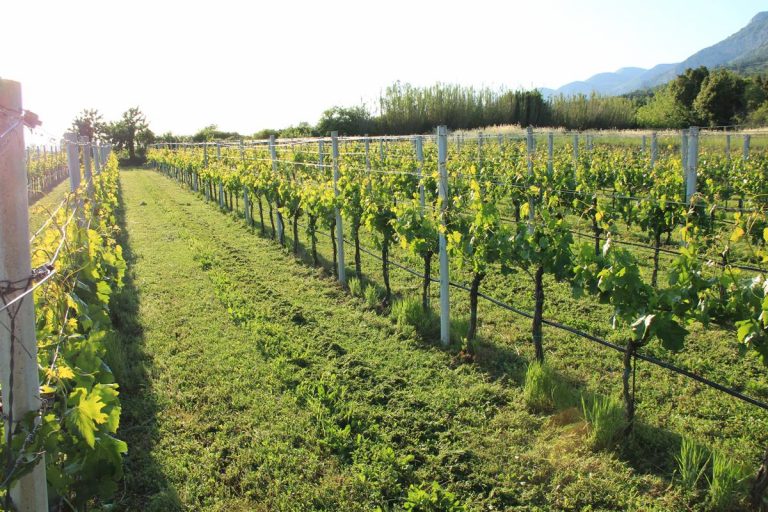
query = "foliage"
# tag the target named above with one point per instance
(432, 499)
(77, 426)
(131, 133)
(727, 480)
(721, 99)
(692, 462)
(90, 124)
(543, 390)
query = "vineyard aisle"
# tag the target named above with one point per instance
(251, 382)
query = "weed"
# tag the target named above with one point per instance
(606, 419)
(409, 311)
(691, 463)
(726, 482)
(433, 499)
(543, 390)
(372, 296)
(355, 287)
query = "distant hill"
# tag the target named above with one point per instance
(745, 51)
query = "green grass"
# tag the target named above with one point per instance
(257, 383)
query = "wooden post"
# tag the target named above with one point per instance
(18, 344)
(442, 157)
(339, 225)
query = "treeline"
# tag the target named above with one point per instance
(697, 97)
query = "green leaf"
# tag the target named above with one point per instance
(85, 413)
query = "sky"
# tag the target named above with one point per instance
(249, 65)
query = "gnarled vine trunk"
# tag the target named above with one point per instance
(538, 313)
(473, 293)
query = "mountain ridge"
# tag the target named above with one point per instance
(745, 50)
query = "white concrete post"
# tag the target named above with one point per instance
(280, 225)
(87, 174)
(339, 225)
(419, 146)
(728, 147)
(745, 151)
(442, 157)
(73, 161)
(654, 149)
(531, 149)
(18, 344)
(693, 159)
(550, 154)
(575, 157)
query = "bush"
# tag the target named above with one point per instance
(606, 420)
(433, 499)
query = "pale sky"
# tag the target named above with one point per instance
(251, 65)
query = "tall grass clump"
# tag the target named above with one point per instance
(410, 312)
(726, 483)
(606, 420)
(543, 390)
(691, 463)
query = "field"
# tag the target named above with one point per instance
(580, 376)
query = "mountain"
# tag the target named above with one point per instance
(746, 50)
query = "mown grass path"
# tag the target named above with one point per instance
(250, 381)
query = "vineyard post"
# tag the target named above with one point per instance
(73, 161)
(728, 147)
(381, 149)
(480, 150)
(337, 212)
(87, 175)
(684, 150)
(246, 204)
(500, 139)
(550, 154)
(273, 156)
(690, 171)
(205, 165)
(418, 143)
(654, 149)
(18, 344)
(644, 144)
(745, 152)
(442, 156)
(221, 182)
(575, 156)
(97, 158)
(531, 150)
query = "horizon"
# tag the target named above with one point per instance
(214, 67)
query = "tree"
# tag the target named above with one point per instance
(345, 120)
(685, 88)
(212, 132)
(721, 98)
(130, 130)
(90, 124)
(663, 111)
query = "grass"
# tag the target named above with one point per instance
(257, 383)
(41, 209)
